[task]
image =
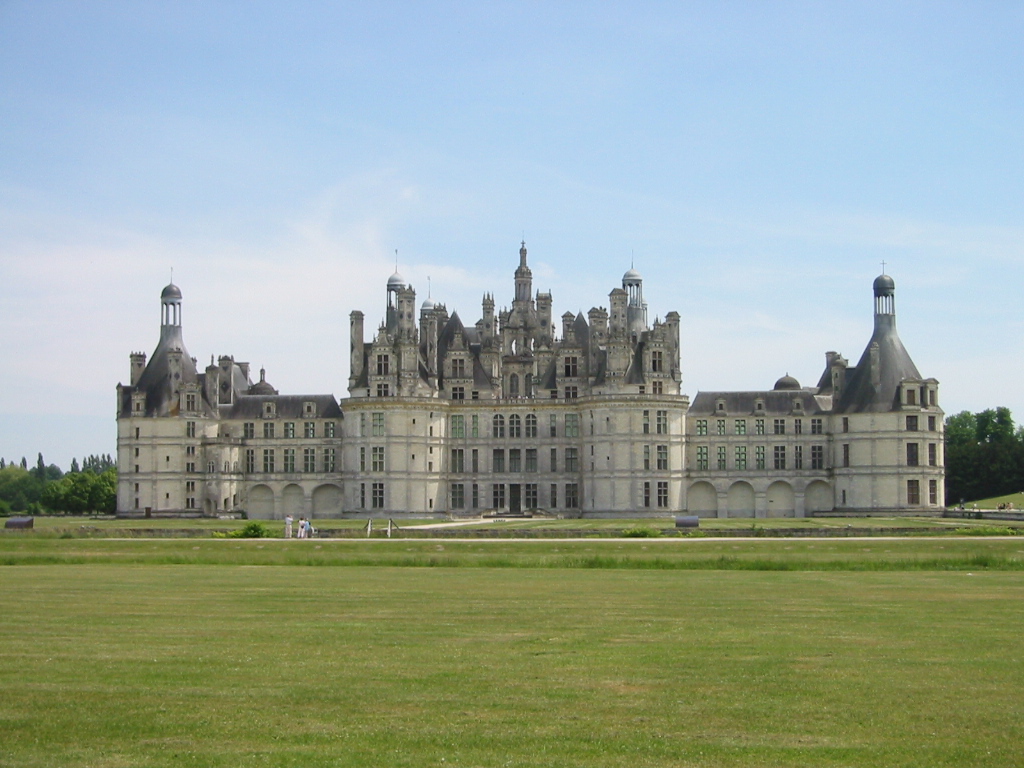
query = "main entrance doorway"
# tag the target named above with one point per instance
(515, 498)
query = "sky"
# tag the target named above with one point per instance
(756, 161)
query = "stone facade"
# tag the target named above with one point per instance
(512, 415)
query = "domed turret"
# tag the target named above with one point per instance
(427, 305)
(396, 282)
(263, 386)
(631, 276)
(786, 382)
(884, 286)
(171, 292)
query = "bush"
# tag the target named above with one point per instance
(254, 530)
(641, 532)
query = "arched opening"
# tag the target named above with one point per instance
(327, 501)
(513, 385)
(781, 500)
(741, 500)
(702, 499)
(261, 503)
(293, 501)
(819, 497)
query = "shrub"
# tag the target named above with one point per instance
(641, 532)
(254, 530)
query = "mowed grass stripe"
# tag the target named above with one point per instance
(112, 665)
(875, 554)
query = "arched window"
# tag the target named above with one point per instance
(513, 385)
(498, 426)
(531, 425)
(515, 426)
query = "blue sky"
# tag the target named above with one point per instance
(756, 161)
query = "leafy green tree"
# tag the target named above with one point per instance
(984, 455)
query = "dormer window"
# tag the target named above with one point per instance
(759, 405)
(309, 409)
(269, 410)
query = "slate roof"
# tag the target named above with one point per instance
(776, 402)
(873, 385)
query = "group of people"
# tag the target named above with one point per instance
(305, 528)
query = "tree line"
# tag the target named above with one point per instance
(984, 455)
(89, 487)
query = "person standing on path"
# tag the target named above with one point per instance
(288, 526)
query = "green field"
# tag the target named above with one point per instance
(214, 652)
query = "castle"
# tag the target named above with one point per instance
(507, 415)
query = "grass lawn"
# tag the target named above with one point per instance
(108, 658)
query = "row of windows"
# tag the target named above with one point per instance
(913, 421)
(529, 495)
(779, 426)
(328, 461)
(781, 457)
(288, 430)
(914, 492)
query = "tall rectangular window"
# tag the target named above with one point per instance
(721, 457)
(779, 427)
(531, 459)
(268, 459)
(702, 457)
(817, 427)
(377, 498)
(759, 457)
(458, 368)
(702, 427)
(647, 494)
(498, 425)
(383, 365)
(657, 361)
(740, 426)
(328, 462)
(531, 425)
(758, 426)
(572, 461)
(289, 459)
(741, 457)
(571, 368)
(475, 427)
(498, 495)
(911, 423)
(912, 457)
(498, 460)
(530, 495)
(572, 495)
(933, 492)
(720, 425)
(553, 425)
(662, 494)
(914, 492)
(817, 457)
(554, 459)
(572, 392)
(458, 460)
(377, 424)
(931, 423)
(798, 457)
(268, 429)
(377, 458)
(190, 429)
(572, 425)
(250, 459)
(662, 422)
(475, 500)
(933, 455)
(662, 457)
(846, 423)
(798, 426)
(647, 423)
(249, 430)
(458, 496)
(515, 460)
(846, 454)
(309, 429)
(554, 495)
(328, 429)
(647, 457)
(475, 459)
(362, 458)
(309, 460)
(289, 429)
(457, 426)
(780, 456)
